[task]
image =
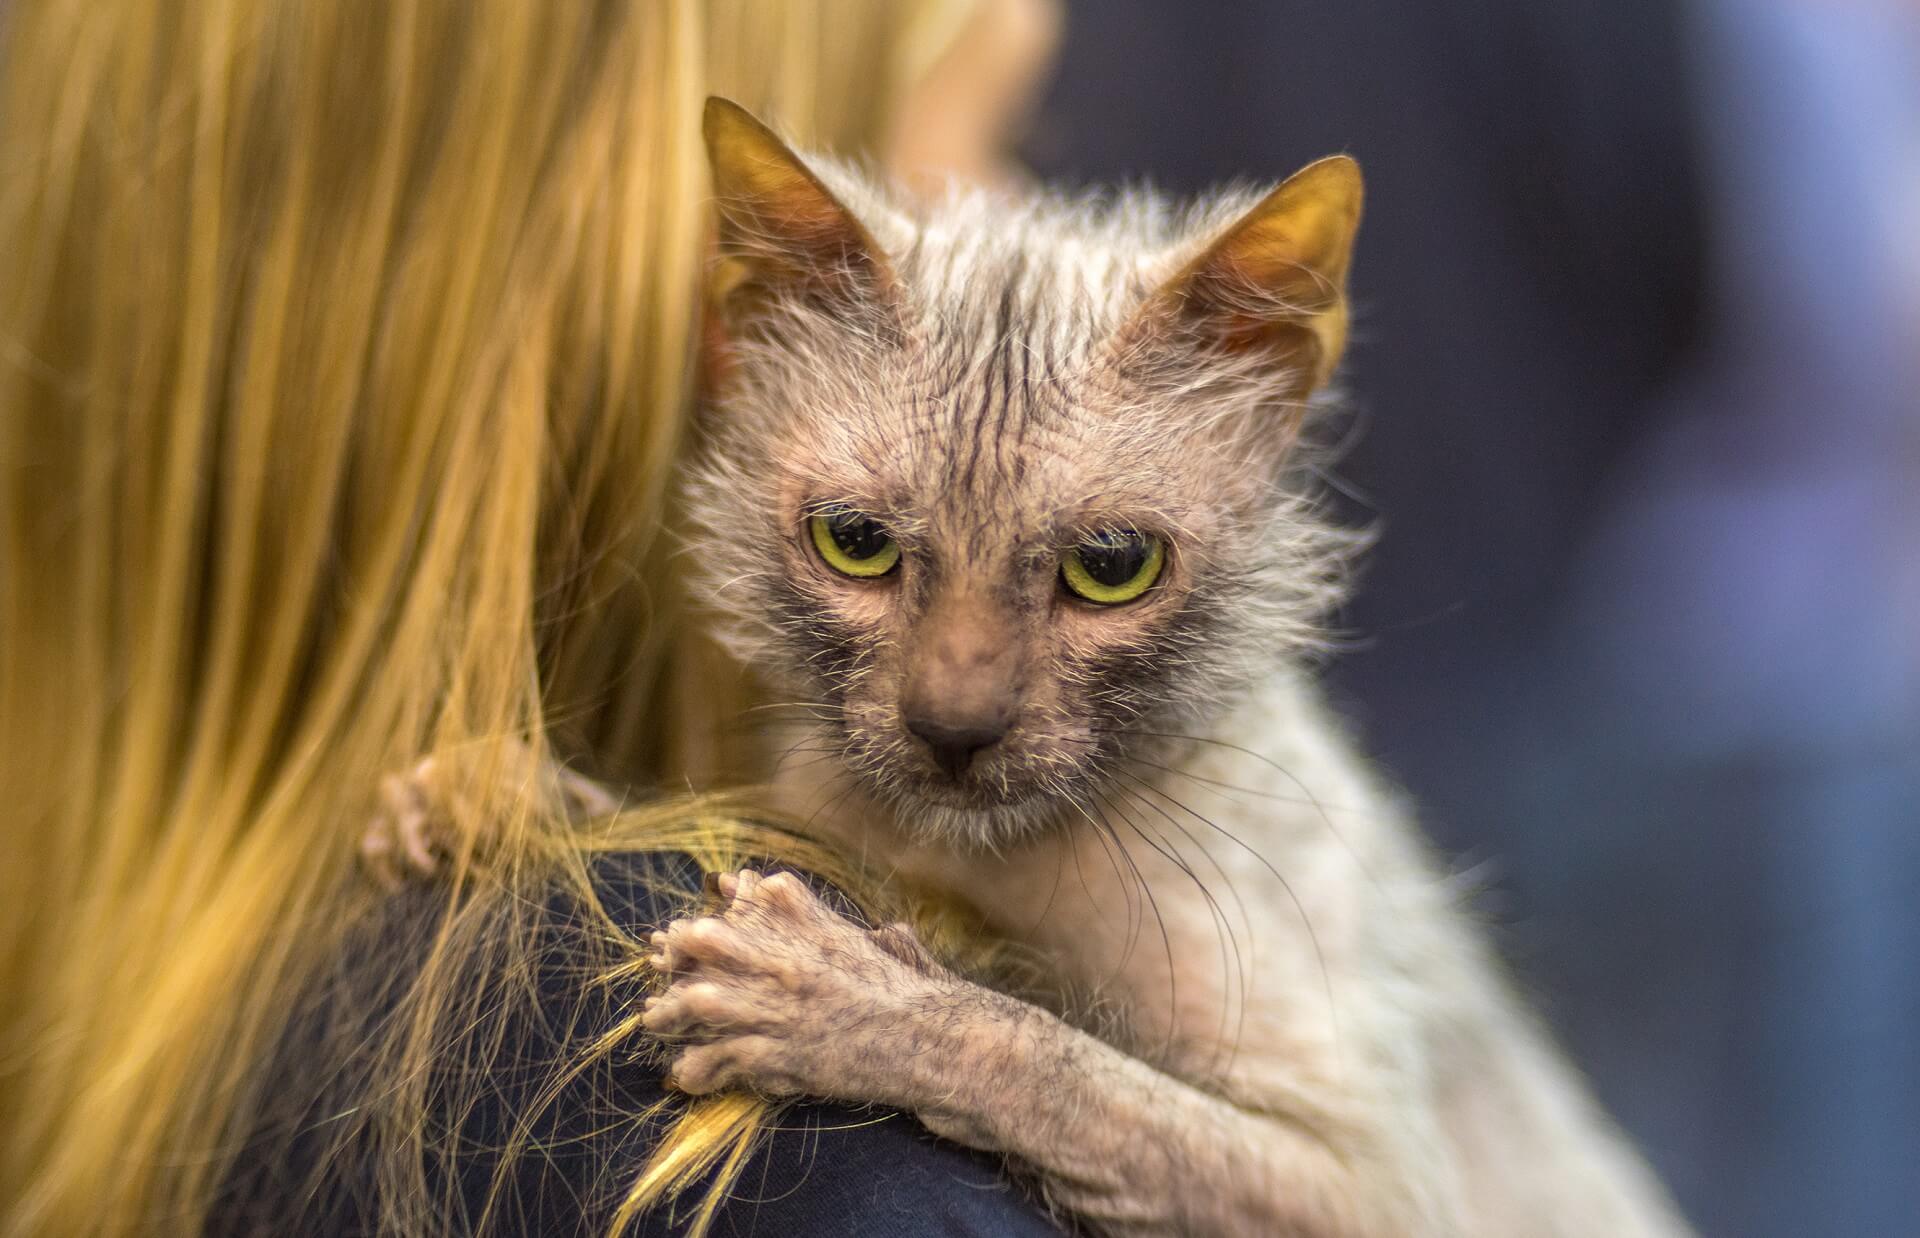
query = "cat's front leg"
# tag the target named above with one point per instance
(781, 994)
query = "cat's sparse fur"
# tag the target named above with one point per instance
(1317, 1040)
(1002, 410)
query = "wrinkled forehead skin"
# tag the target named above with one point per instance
(1004, 423)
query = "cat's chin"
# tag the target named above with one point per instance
(958, 822)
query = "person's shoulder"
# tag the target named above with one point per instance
(820, 1168)
(826, 1169)
(643, 889)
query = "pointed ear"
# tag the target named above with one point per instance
(1276, 279)
(782, 232)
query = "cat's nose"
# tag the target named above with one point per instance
(954, 745)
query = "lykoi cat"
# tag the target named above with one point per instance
(1013, 495)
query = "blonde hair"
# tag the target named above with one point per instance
(344, 355)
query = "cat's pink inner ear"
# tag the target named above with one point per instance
(781, 229)
(1277, 277)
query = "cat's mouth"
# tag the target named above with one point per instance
(975, 811)
(969, 789)
(1014, 788)
(973, 790)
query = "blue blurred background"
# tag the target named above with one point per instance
(1638, 383)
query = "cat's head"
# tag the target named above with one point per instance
(1003, 489)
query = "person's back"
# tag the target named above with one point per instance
(820, 1168)
(346, 354)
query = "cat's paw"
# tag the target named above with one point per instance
(411, 834)
(404, 839)
(780, 994)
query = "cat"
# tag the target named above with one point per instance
(1014, 493)
(1016, 496)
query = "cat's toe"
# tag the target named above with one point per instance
(696, 941)
(736, 1062)
(399, 840)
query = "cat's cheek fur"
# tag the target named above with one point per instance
(836, 655)
(867, 607)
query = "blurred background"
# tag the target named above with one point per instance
(1637, 376)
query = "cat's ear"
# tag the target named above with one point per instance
(782, 232)
(1276, 278)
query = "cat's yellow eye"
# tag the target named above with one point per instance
(1114, 566)
(853, 544)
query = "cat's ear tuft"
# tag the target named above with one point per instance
(782, 231)
(1276, 278)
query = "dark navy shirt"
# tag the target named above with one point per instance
(825, 1169)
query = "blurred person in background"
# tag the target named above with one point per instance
(1637, 370)
(345, 352)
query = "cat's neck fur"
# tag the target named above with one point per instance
(1173, 870)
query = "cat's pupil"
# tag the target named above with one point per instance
(1114, 558)
(859, 537)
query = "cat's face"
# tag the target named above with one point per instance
(991, 512)
(983, 591)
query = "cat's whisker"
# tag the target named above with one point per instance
(773, 706)
(814, 721)
(721, 587)
(1221, 788)
(1239, 904)
(1149, 785)
(1181, 862)
(1100, 835)
(1293, 896)
(784, 764)
(1144, 901)
(1233, 963)
(1160, 846)
(1147, 892)
(832, 800)
(1319, 806)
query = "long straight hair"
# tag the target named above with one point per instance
(344, 357)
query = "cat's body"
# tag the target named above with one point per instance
(951, 446)
(1259, 919)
